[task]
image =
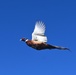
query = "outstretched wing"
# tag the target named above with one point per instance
(39, 31)
(39, 28)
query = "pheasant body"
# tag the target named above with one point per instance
(39, 40)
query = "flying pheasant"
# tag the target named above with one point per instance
(39, 40)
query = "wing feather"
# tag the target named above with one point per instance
(39, 31)
(39, 28)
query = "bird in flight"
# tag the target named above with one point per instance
(39, 40)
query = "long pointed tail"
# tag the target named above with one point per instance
(57, 47)
(61, 48)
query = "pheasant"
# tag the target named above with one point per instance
(39, 40)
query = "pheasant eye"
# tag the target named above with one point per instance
(23, 39)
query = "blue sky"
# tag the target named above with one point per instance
(17, 20)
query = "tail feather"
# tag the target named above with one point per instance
(57, 47)
(61, 48)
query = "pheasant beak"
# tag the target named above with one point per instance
(20, 39)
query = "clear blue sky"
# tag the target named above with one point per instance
(17, 20)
